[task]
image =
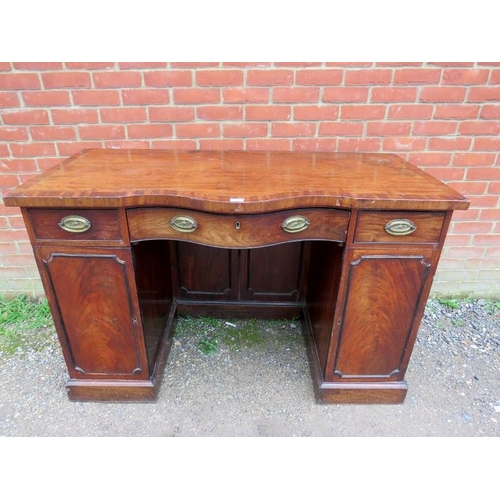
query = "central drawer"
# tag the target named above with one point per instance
(237, 231)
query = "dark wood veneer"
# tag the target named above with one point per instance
(116, 289)
(105, 225)
(236, 182)
(237, 231)
(377, 322)
(370, 227)
(92, 297)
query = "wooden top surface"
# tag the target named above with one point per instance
(235, 182)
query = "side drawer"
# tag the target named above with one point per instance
(237, 231)
(75, 225)
(399, 227)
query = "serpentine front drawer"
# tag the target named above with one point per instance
(399, 227)
(75, 225)
(237, 231)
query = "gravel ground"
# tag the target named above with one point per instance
(252, 378)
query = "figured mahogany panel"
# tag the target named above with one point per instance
(203, 273)
(271, 273)
(383, 295)
(105, 224)
(236, 182)
(237, 231)
(94, 309)
(370, 227)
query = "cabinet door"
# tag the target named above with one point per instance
(94, 311)
(271, 273)
(202, 272)
(384, 298)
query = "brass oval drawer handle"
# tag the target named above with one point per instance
(400, 227)
(183, 224)
(75, 224)
(295, 224)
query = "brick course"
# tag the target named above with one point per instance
(444, 117)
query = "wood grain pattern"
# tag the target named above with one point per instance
(362, 291)
(348, 392)
(105, 225)
(236, 182)
(389, 393)
(112, 390)
(271, 273)
(237, 231)
(383, 293)
(95, 313)
(370, 227)
(203, 273)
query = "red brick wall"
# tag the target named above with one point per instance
(444, 117)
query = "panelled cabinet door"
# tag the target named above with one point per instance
(94, 311)
(384, 294)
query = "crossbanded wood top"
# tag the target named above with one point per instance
(235, 182)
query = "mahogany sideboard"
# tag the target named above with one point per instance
(127, 240)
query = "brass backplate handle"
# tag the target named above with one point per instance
(75, 224)
(183, 224)
(400, 227)
(295, 224)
